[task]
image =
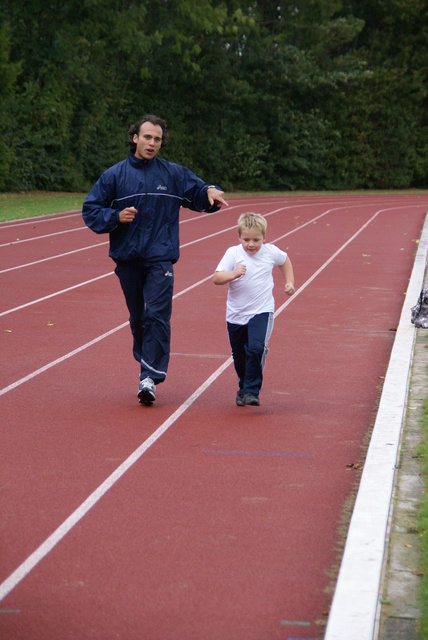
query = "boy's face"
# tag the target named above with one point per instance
(251, 240)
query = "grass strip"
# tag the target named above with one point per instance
(16, 206)
(423, 528)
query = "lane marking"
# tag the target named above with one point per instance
(121, 326)
(355, 608)
(42, 551)
(335, 254)
(100, 244)
(82, 228)
(47, 235)
(47, 217)
(19, 574)
(259, 453)
(16, 384)
(59, 255)
(37, 372)
(10, 611)
(57, 293)
(82, 284)
(48, 366)
(52, 217)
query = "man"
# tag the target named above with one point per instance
(137, 202)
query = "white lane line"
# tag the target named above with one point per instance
(82, 284)
(11, 224)
(332, 257)
(48, 217)
(42, 551)
(199, 217)
(354, 610)
(57, 293)
(37, 372)
(15, 578)
(100, 244)
(47, 235)
(193, 286)
(60, 255)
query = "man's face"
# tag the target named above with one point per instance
(148, 141)
(251, 240)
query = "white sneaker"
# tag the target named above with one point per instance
(146, 391)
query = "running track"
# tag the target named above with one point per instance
(192, 519)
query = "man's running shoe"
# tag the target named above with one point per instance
(251, 399)
(146, 391)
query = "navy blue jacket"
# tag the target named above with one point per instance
(157, 189)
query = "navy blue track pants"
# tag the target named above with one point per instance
(249, 350)
(148, 289)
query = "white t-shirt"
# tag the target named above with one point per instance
(251, 293)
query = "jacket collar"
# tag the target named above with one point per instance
(137, 163)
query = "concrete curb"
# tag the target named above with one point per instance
(354, 610)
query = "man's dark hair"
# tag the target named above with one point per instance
(135, 129)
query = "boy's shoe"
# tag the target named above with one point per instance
(146, 391)
(240, 399)
(251, 399)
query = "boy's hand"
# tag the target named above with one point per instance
(240, 270)
(289, 288)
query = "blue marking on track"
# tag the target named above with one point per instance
(296, 623)
(259, 453)
(10, 611)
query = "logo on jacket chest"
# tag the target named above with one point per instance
(161, 187)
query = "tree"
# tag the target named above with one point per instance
(8, 76)
(258, 95)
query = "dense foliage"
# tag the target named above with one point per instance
(310, 94)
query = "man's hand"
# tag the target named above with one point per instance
(127, 215)
(216, 196)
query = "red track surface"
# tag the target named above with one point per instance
(227, 523)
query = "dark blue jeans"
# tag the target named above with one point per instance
(249, 350)
(148, 289)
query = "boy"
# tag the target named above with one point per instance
(247, 268)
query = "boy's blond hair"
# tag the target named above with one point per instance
(252, 221)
